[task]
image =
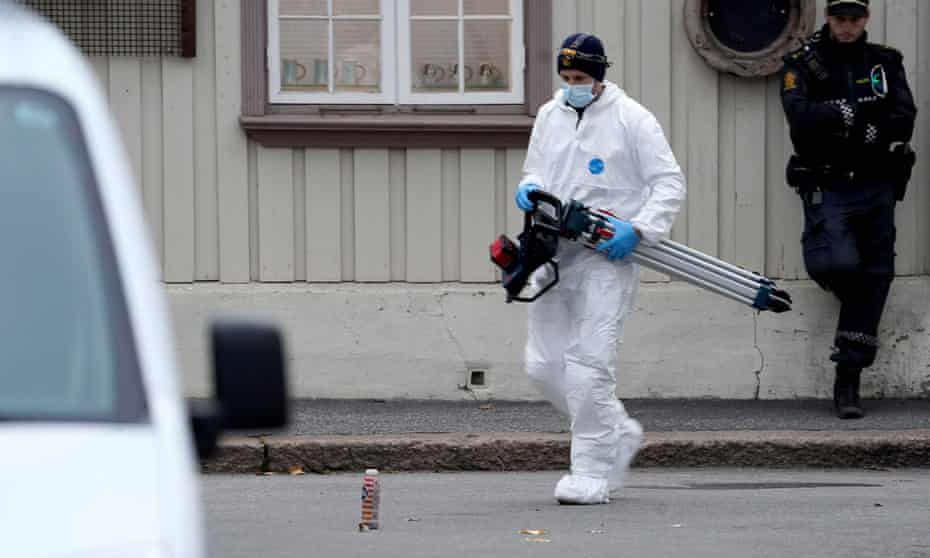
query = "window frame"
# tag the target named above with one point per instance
(369, 125)
(758, 64)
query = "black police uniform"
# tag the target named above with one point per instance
(850, 110)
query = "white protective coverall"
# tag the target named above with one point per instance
(616, 157)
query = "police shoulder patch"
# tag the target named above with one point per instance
(790, 81)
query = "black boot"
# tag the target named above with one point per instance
(846, 393)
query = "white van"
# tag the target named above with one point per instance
(97, 456)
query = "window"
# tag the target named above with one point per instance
(482, 37)
(396, 51)
(386, 73)
(331, 51)
(66, 344)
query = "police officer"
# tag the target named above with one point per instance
(851, 115)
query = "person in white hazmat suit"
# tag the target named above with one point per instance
(595, 144)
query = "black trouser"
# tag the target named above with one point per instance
(849, 249)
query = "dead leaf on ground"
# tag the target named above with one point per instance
(534, 531)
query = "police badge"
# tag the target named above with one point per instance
(879, 81)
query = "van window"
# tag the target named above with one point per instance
(66, 348)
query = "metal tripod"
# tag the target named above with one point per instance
(712, 274)
(550, 219)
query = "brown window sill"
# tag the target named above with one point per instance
(394, 130)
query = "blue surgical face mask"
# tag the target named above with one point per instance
(578, 96)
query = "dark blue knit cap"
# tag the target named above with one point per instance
(583, 52)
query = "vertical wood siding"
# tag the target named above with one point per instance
(220, 209)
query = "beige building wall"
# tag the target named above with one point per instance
(224, 209)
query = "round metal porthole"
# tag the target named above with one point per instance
(750, 38)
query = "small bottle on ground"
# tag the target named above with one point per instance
(371, 500)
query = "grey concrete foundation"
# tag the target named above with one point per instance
(400, 341)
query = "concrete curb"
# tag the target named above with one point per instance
(541, 451)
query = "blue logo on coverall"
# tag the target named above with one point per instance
(596, 165)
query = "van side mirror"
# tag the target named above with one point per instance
(249, 373)
(250, 380)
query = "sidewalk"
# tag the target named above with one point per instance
(350, 435)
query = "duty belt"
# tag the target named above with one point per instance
(812, 178)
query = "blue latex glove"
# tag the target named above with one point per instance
(624, 241)
(522, 197)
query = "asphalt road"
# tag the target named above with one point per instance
(318, 417)
(694, 513)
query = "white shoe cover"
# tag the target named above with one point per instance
(579, 489)
(631, 438)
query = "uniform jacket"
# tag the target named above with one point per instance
(846, 104)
